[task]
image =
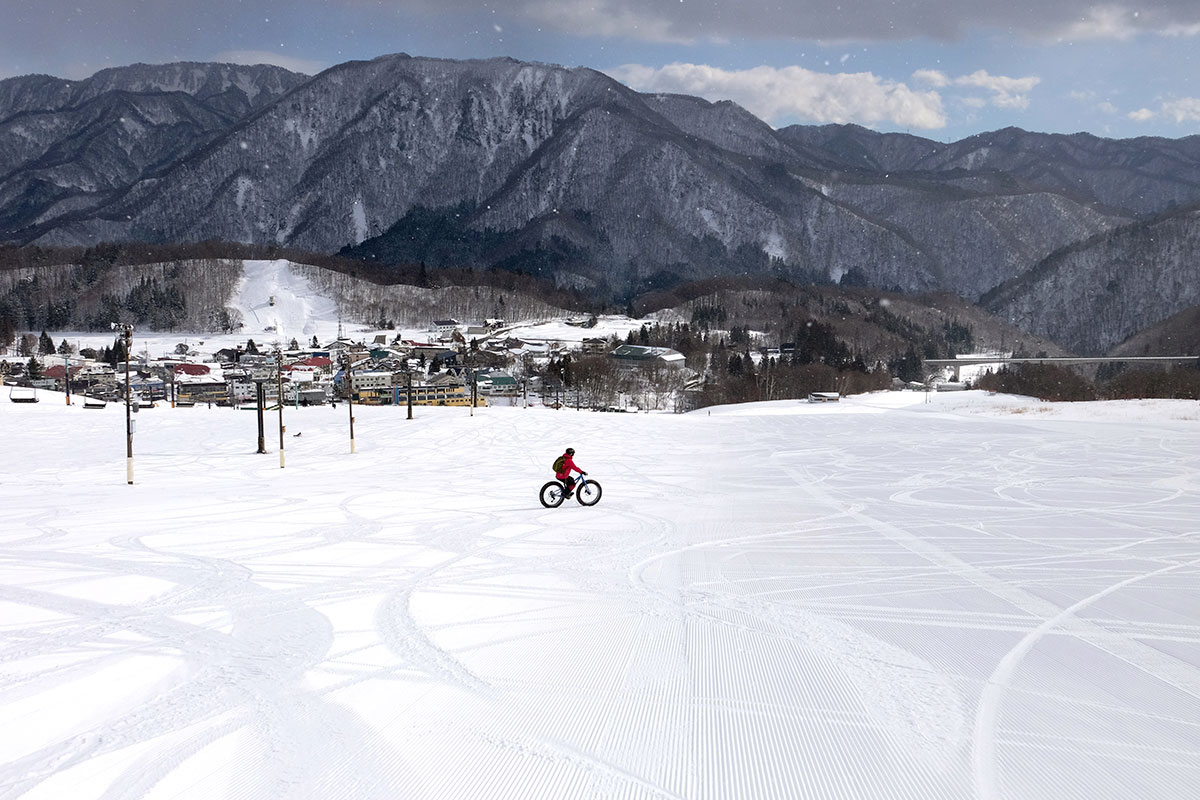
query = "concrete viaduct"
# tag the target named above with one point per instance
(1000, 361)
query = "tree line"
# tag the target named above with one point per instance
(1054, 382)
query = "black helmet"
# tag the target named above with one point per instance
(570, 451)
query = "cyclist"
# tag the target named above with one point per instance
(563, 466)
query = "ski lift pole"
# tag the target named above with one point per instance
(350, 401)
(279, 369)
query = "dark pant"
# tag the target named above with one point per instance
(569, 482)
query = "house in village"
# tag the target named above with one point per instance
(321, 365)
(151, 387)
(373, 387)
(197, 383)
(59, 372)
(208, 388)
(636, 355)
(392, 388)
(595, 346)
(496, 383)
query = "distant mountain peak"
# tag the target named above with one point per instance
(565, 172)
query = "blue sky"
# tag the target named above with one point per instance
(944, 69)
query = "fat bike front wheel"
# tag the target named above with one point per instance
(552, 494)
(588, 494)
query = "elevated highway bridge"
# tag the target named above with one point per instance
(1000, 361)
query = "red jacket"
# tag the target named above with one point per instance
(568, 465)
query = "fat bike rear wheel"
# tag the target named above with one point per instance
(588, 494)
(552, 494)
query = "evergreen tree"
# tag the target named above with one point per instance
(908, 367)
(45, 345)
(117, 355)
(8, 332)
(33, 369)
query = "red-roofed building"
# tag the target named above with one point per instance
(56, 372)
(192, 369)
(316, 362)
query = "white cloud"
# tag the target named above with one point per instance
(932, 77)
(1107, 107)
(1006, 92)
(775, 94)
(1183, 110)
(1183, 30)
(1103, 22)
(1186, 109)
(250, 57)
(605, 18)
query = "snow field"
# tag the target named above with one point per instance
(880, 598)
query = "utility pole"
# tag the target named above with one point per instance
(260, 394)
(350, 398)
(279, 367)
(127, 335)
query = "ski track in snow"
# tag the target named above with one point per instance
(827, 604)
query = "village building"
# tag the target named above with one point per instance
(636, 355)
(201, 389)
(595, 346)
(496, 383)
(316, 363)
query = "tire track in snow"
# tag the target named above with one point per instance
(1171, 671)
(253, 672)
(1176, 673)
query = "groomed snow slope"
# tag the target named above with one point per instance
(273, 299)
(882, 598)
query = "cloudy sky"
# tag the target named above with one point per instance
(944, 69)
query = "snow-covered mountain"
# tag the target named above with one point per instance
(1145, 271)
(70, 150)
(555, 171)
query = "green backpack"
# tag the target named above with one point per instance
(558, 464)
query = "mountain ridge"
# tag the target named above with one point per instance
(567, 173)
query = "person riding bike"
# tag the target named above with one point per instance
(563, 466)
